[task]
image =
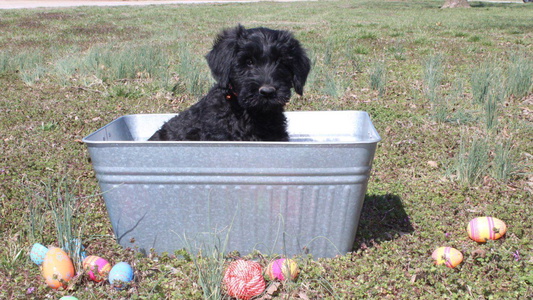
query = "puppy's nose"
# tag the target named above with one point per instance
(267, 91)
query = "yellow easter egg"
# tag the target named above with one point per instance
(449, 256)
(96, 267)
(57, 268)
(482, 229)
(282, 269)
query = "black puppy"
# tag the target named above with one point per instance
(254, 70)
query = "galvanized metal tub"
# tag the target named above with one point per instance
(301, 196)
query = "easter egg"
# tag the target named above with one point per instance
(57, 268)
(449, 256)
(68, 298)
(37, 253)
(96, 267)
(282, 269)
(482, 229)
(120, 275)
(243, 279)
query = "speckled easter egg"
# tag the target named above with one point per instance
(449, 256)
(120, 275)
(57, 268)
(482, 229)
(282, 269)
(96, 267)
(38, 253)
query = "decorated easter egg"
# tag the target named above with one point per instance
(243, 279)
(449, 256)
(96, 267)
(482, 229)
(282, 269)
(57, 268)
(68, 298)
(37, 253)
(120, 275)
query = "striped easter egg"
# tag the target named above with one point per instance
(448, 256)
(482, 229)
(96, 267)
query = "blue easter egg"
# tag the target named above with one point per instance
(120, 275)
(37, 253)
(68, 298)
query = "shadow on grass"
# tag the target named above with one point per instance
(383, 218)
(502, 4)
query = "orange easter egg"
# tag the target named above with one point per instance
(482, 229)
(57, 268)
(449, 256)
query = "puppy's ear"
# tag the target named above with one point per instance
(221, 57)
(300, 65)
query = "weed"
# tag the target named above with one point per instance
(5, 63)
(472, 162)
(49, 126)
(433, 73)
(132, 62)
(483, 79)
(398, 51)
(504, 161)
(491, 108)
(66, 68)
(461, 117)
(365, 35)
(519, 76)
(125, 91)
(378, 77)
(328, 53)
(190, 69)
(360, 49)
(58, 197)
(209, 261)
(331, 87)
(354, 56)
(474, 38)
(440, 111)
(37, 221)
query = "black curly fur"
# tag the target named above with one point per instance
(254, 70)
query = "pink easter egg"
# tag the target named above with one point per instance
(93, 264)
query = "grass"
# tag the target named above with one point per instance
(472, 161)
(433, 76)
(504, 161)
(519, 76)
(66, 72)
(378, 77)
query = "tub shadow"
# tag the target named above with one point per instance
(481, 4)
(383, 218)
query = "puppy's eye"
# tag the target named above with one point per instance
(249, 62)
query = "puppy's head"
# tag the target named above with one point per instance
(259, 65)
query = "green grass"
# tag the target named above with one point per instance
(378, 77)
(66, 72)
